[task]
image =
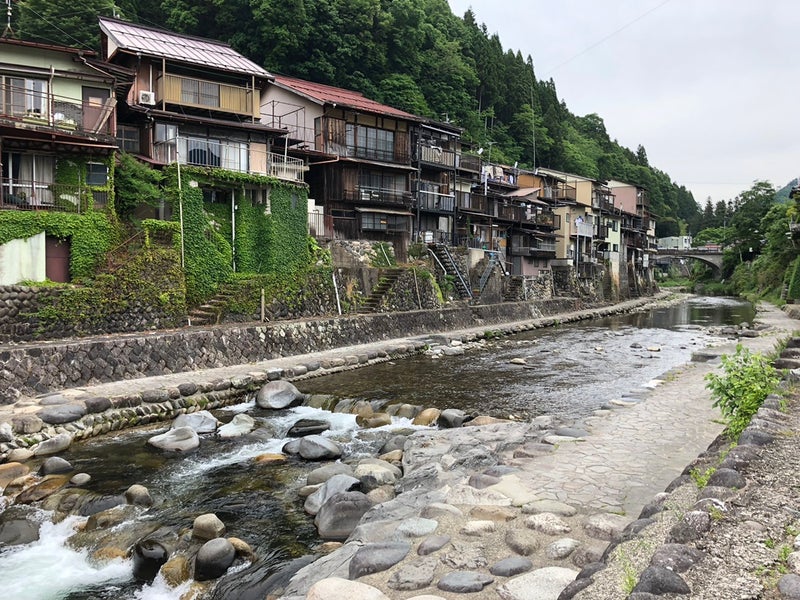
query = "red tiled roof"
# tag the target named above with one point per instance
(326, 94)
(161, 43)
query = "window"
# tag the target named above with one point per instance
(202, 93)
(165, 148)
(27, 178)
(384, 222)
(96, 174)
(615, 247)
(259, 197)
(128, 138)
(25, 96)
(370, 142)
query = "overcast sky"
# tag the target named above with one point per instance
(710, 88)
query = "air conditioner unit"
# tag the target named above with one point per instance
(147, 97)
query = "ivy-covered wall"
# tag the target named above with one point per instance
(72, 173)
(273, 241)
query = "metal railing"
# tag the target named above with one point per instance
(436, 156)
(58, 113)
(560, 191)
(435, 201)
(378, 195)
(467, 162)
(41, 195)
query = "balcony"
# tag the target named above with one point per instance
(544, 219)
(204, 94)
(436, 202)
(434, 155)
(533, 247)
(286, 168)
(48, 112)
(372, 195)
(559, 192)
(467, 162)
(41, 195)
(472, 203)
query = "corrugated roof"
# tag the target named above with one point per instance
(173, 46)
(326, 94)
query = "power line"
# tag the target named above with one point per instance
(603, 39)
(54, 26)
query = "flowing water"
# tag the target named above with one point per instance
(569, 371)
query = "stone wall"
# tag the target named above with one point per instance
(38, 368)
(17, 305)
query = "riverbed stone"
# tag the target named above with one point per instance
(605, 526)
(381, 494)
(54, 445)
(549, 506)
(148, 557)
(478, 528)
(561, 548)
(176, 570)
(6, 432)
(18, 526)
(80, 479)
(138, 495)
(676, 557)
(182, 439)
(340, 514)
(278, 394)
(201, 421)
(522, 541)
(213, 559)
(660, 581)
(728, 478)
(62, 413)
(335, 485)
(513, 565)
(465, 556)
(325, 472)
(336, 587)
(54, 465)
(10, 471)
(789, 586)
(432, 543)
(240, 425)
(547, 523)
(316, 447)
(427, 417)
(692, 526)
(19, 455)
(450, 418)
(304, 427)
(414, 575)
(377, 557)
(464, 582)
(374, 420)
(542, 584)
(207, 527)
(26, 424)
(416, 527)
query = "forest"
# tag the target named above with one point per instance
(415, 55)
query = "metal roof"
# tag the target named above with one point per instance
(326, 94)
(173, 46)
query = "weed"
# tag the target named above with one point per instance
(701, 478)
(715, 513)
(769, 543)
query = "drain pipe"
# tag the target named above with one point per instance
(336, 290)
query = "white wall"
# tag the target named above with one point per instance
(23, 259)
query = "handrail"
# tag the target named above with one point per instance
(493, 262)
(453, 265)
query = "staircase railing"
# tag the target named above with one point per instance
(453, 270)
(494, 260)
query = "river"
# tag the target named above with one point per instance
(569, 371)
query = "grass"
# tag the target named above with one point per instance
(701, 478)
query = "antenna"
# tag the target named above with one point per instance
(8, 32)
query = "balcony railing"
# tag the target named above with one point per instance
(201, 93)
(436, 202)
(42, 195)
(560, 191)
(545, 219)
(467, 162)
(373, 195)
(57, 113)
(232, 156)
(436, 156)
(472, 203)
(532, 247)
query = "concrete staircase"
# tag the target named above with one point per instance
(388, 278)
(446, 263)
(212, 311)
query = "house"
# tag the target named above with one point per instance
(57, 137)
(638, 232)
(360, 159)
(194, 109)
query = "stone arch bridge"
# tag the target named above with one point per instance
(709, 256)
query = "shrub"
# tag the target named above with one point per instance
(747, 380)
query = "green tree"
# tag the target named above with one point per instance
(135, 184)
(62, 23)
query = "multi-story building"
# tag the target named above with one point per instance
(57, 137)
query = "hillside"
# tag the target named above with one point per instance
(413, 54)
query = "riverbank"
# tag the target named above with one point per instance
(81, 411)
(517, 510)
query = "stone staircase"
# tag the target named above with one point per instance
(212, 311)
(386, 282)
(513, 291)
(445, 261)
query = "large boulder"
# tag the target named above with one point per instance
(376, 557)
(54, 445)
(148, 556)
(55, 465)
(335, 485)
(340, 514)
(325, 472)
(450, 418)
(240, 425)
(279, 394)
(335, 587)
(213, 559)
(316, 447)
(182, 439)
(305, 427)
(202, 422)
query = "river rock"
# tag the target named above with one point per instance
(335, 485)
(148, 556)
(19, 455)
(305, 427)
(63, 413)
(11, 471)
(549, 506)
(340, 514)
(176, 570)
(240, 425)
(26, 424)
(49, 485)
(605, 526)
(316, 447)
(373, 475)
(213, 559)
(6, 432)
(377, 557)
(138, 495)
(546, 583)
(18, 526)
(414, 527)
(396, 442)
(464, 582)
(414, 575)
(336, 587)
(381, 494)
(182, 439)
(427, 417)
(433, 543)
(278, 394)
(547, 523)
(676, 557)
(325, 472)
(561, 548)
(450, 418)
(80, 479)
(55, 465)
(522, 541)
(57, 443)
(374, 420)
(202, 422)
(660, 581)
(207, 527)
(508, 567)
